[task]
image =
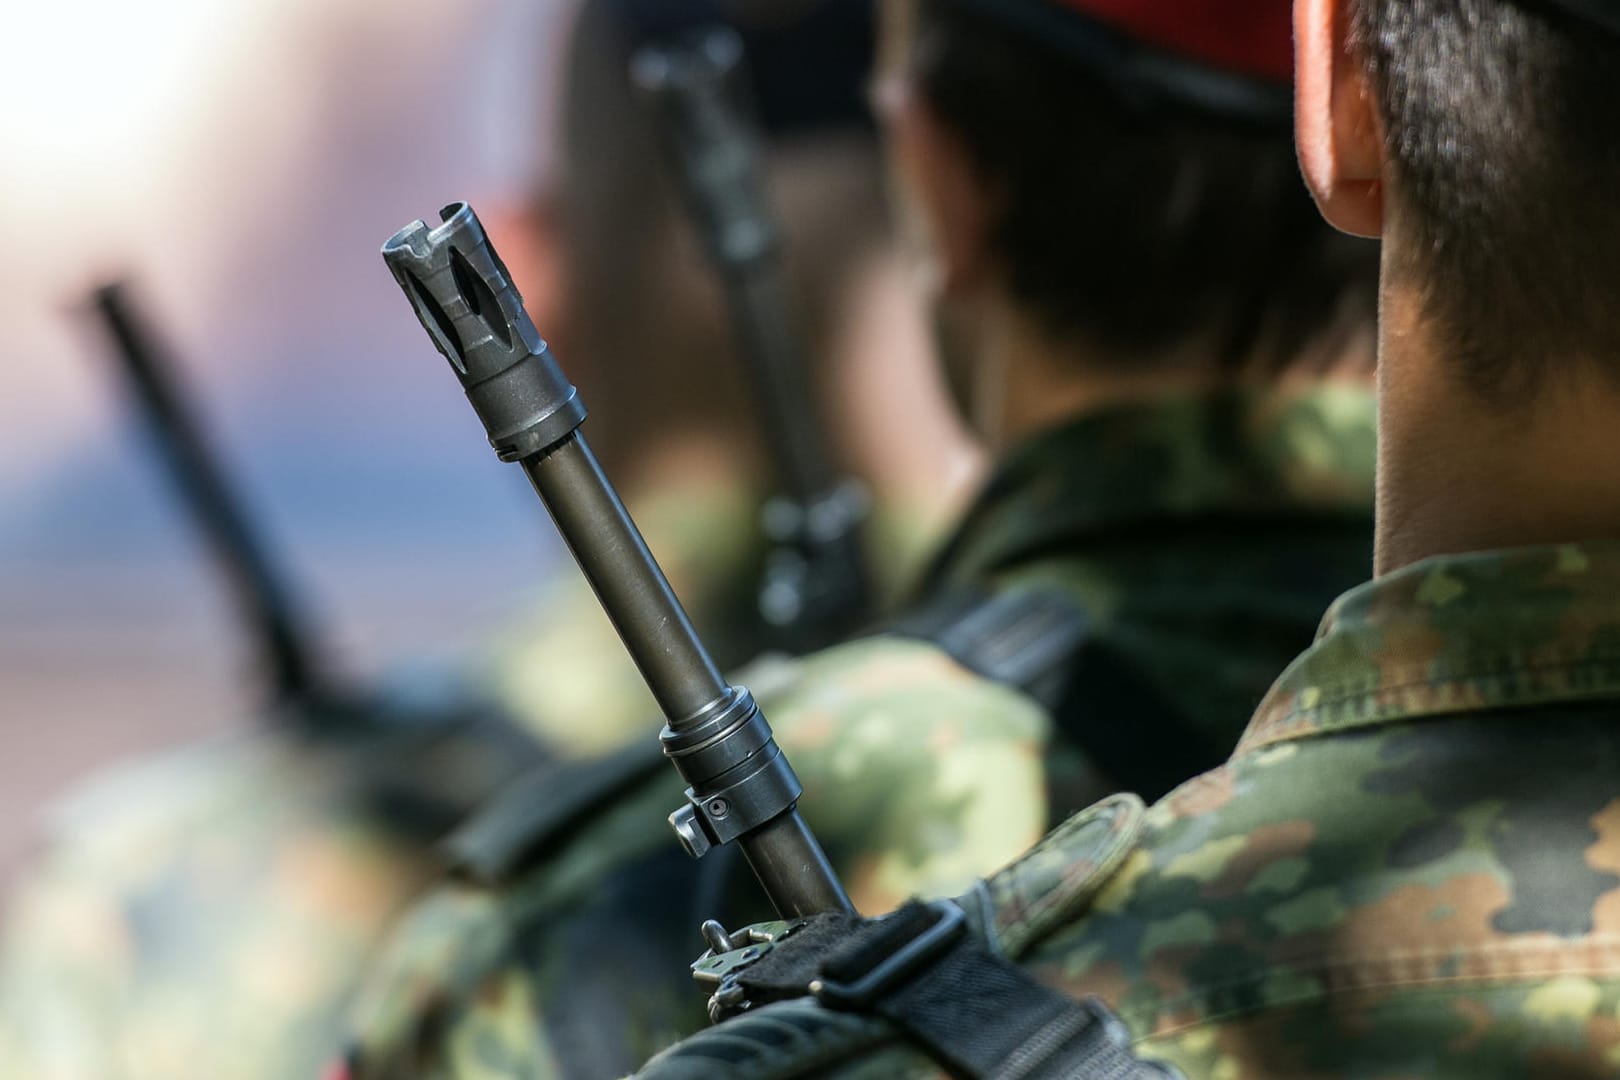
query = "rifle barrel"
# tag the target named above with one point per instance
(740, 784)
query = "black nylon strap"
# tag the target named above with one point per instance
(985, 1019)
(1025, 639)
(1123, 720)
(975, 1013)
(536, 808)
(1040, 641)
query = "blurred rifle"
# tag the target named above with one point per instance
(740, 784)
(817, 587)
(264, 603)
(438, 749)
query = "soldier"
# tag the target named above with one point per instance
(1153, 302)
(204, 913)
(631, 297)
(1411, 864)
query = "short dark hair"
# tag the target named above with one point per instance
(1503, 134)
(1140, 227)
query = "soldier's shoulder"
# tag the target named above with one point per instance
(888, 683)
(173, 788)
(438, 959)
(223, 803)
(1042, 892)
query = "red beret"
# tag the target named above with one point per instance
(1253, 38)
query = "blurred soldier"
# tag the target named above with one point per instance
(1411, 865)
(1153, 301)
(630, 294)
(206, 913)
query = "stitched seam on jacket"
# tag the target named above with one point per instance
(1105, 858)
(1286, 723)
(1598, 955)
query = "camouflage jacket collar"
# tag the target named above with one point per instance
(1230, 454)
(1456, 634)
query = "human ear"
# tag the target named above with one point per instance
(1336, 122)
(942, 187)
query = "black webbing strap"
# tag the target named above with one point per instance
(977, 1014)
(1026, 639)
(543, 804)
(1040, 641)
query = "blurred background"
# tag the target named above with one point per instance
(239, 165)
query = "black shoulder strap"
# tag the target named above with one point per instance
(971, 1010)
(540, 806)
(1040, 640)
(1026, 639)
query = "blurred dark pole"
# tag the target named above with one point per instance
(264, 602)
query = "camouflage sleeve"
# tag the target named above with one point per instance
(919, 775)
(198, 916)
(457, 991)
(439, 962)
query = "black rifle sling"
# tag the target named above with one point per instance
(974, 1012)
(1041, 641)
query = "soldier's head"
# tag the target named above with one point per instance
(634, 307)
(1120, 176)
(1481, 139)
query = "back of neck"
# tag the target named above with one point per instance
(1458, 472)
(1031, 382)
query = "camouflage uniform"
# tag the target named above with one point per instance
(1410, 866)
(206, 913)
(199, 914)
(1177, 524)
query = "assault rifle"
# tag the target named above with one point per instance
(817, 587)
(741, 787)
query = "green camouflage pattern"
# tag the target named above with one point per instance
(206, 913)
(1204, 536)
(1410, 867)
(1166, 521)
(198, 915)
